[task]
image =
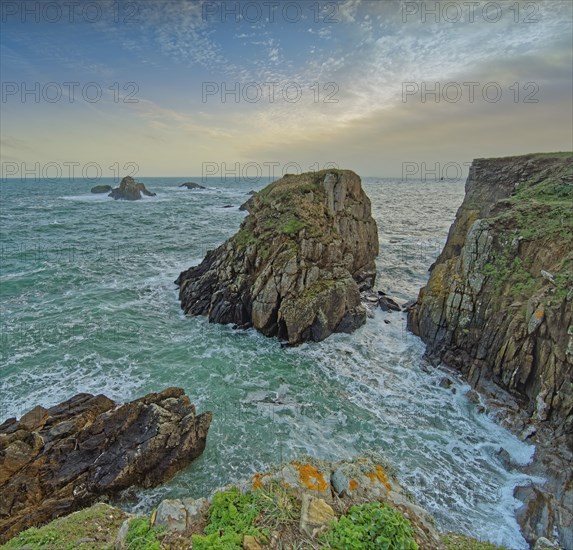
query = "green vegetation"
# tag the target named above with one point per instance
(453, 541)
(543, 208)
(278, 506)
(372, 526)
(509, 275)
(564, 279)
(231, 516)
(94, 527)
(284, 208)
(540, 211)
(292, 226)
(141, 536)
(244, 238)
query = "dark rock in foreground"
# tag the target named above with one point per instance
(101, 189)
(192, 185)
(294, 268)
(130, 190)
(57, 460)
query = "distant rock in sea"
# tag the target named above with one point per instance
(130, 190)
(101, 189)
(296, 266)
(191, 185)
(57, 460)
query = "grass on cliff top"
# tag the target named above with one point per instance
(540, 211)
(285, 207)
(556, 154)
(93, 528)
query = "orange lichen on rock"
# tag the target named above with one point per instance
(311, 477)
(379, 474)
(257, 483)
(353, 484)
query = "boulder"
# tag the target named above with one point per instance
(68, 456)
(387, 304)
(295, 268)
(180, 515)
(101, 189)
(315, 515)
(191, 185)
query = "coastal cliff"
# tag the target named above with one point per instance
(498, 305)
(297, 265)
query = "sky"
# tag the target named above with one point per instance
(189, 88)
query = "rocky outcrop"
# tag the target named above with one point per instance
(57, 460)
(296, 267)
(101, 189)
(499, 301)
(319, 492)
(192, 185)
(130, 190)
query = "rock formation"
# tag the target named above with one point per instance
(324, 491)
(499, 302)
(57, 460)
(297, 265)
(192, 185)
(101, 189)
(130, 190)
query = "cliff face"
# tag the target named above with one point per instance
(499, 307)
(499, 301)
(296, 267)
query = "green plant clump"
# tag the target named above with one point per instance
(141, 536)
(231, 516)
(292, 226)
(372, 526)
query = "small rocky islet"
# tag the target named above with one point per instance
(128, 190)
(497, 308)
(298, 264)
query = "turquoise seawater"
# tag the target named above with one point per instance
(89, 305)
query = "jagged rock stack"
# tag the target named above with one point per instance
(296, 267)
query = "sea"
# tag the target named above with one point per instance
(89, 304)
